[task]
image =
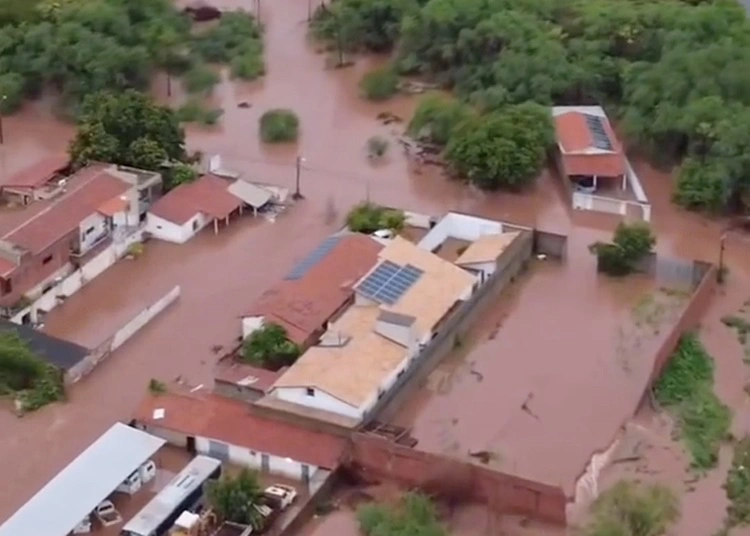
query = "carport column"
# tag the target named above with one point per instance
(595, 183)
(216, 226)
(625, 180)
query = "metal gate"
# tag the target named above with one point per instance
(218, 450)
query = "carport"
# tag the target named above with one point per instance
(89, 479)
(250, 194)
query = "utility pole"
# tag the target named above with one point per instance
(339, 42)
(720, 272)
(297, 194)
(309, 11)
(2, 105)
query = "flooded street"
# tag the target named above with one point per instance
(221, 274)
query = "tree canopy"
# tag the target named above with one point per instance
(672, 73)
(234, 498)
(269, 347)
(80, 47)
(415, 515)
(128, 129)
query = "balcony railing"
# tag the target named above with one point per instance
(79, 252)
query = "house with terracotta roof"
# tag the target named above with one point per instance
(317, 290)
(190, 207)
(400, 306)
(589, 151)
(54, 236)
(229, 430)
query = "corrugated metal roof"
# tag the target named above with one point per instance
(253, 195)
(76, 490)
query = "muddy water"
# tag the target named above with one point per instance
(219, 275)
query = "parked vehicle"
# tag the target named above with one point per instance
(107, 514)
(148, 471)
(132, 484)
(84, 527)
(280, 496)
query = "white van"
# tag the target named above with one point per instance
(132, 484)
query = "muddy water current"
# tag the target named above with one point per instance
(221, 274)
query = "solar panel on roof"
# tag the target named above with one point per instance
(388, 282)
(313, 258)
(598, 132)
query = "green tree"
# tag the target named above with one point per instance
(505, 149)
(19, 366)
(279, 125)
(236, 34)
(270, 347)
(630, 244)
(181, 174)
(702, 184)
(129, 129)
(11, 92)
(234, 498)
(200, 78)
(630, 509)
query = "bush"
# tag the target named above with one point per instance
(737, 485)
(702, 185)
(369, 217)
(180, 174)
(248, 64)
(630, 244)
(436, 118)
(279, 125)
(414, 515)
(632, 509)
(377, 146)
(269, 347)
(686, 388)
(200, 79)
(379, 84)
(229, 38)
(195, 112)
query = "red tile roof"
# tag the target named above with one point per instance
(575, 140)
(208, 195)
(304, 305)
(39, 173)
(232, 422)
(87, 191)
(113, 206)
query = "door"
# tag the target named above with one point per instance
(305, 474)
(218, 450)
(265, 463)
(191, 444)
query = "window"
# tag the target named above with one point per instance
(310, 391)
(90, 230)
(195, 225)
(7, 286)
(47, 259)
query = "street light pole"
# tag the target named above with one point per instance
(2, 105)
(297, 194)
(720, 272)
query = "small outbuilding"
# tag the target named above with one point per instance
(185, 210)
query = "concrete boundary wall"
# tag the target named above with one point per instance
(122, 335)
(501, 492)
(509, 264)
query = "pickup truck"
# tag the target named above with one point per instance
(279, 496)
(107, 514)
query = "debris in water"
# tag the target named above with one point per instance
(244, 104)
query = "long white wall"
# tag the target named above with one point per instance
(171, 232)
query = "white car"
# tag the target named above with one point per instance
(280, 496)
(107, 514)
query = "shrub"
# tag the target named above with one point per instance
(234, 498)
(631, 243)
(181, 174)
(377, 146)
(379, 84)
(269, 347)
(368, 217)
(632, 509)
(279, 125)
(195, 112)
(436, 117)
(11, 92)
(737, 485)
(414, 515)
(228, 39)
(702, 185)
(200, 79)
(248, 64)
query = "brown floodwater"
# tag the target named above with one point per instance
(220, 275)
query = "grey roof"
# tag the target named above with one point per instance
(76, 490)
(252, 194)
(58, 352)
(396, 318)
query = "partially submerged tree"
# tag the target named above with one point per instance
(379, 84)
(630, 244)
(270, 347)
(279, 125)
(437, 117)
(235, 498)
(505, 149)
(368, 217)
(129, 129)
(415, 515)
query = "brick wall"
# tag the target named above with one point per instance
(501, 492)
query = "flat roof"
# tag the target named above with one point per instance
(76, 490)
(55, 351)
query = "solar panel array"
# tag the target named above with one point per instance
(389, 281)
(598, 132)
(313, 258)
